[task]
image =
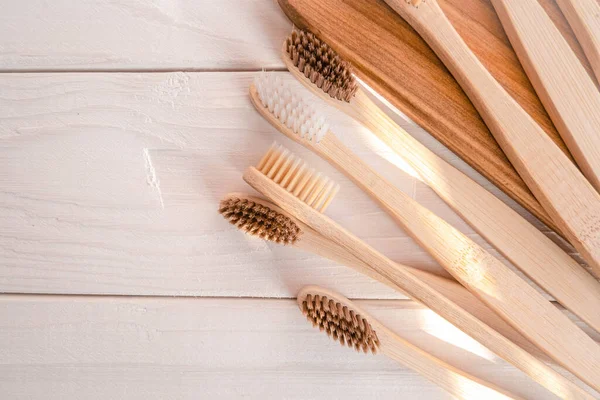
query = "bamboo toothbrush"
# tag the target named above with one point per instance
(584, 18)
(570, 200)
(261, 218)
(296, 119)
(350, 325)
(303, 124)
(560, 80)
(304, 194)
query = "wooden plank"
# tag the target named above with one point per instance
(109, 184)
(141, 35)
(68, 347)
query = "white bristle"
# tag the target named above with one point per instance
(291, 110)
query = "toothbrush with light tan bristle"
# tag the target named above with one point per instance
(560, 80)
(261, 218)
(570, 200)
(299, 121)
(348, 324)
(302, 192)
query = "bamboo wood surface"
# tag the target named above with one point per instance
(563, 191)
(537, 256)
(584, 18)
(313, 242)
(394, 60)
(419, 290)
(567, 91)
(459, 384)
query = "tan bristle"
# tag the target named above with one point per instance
(321, 65)
(340, 323)
(415, 3)
(292, 174)
(259, 220)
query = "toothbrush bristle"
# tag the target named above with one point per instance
(340, 323)
(291, 173)
(258, 220)
(321, 65)
(291, 110)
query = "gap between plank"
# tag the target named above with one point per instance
(174, 298)
(136, 71)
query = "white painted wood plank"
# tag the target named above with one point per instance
(141, 35)
(109, 184)
(65, 347)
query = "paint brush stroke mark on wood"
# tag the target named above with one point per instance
(151, 177)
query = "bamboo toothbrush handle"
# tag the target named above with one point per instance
(410, 284)
(484, 275)
(313, 242)
(459, 384)
(454, 291)
(584, 18)
(560, 80)
(518, 240)
(567, 196)
(456, 382)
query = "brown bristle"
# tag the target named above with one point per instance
(292, 174)
(321, 65)
(258, 220)
(341, 323)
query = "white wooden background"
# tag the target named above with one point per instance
(122, 124)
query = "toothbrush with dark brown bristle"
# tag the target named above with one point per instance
(304, 193)
(263, 219)
(563, 191)
(348, 324)
(321, 70)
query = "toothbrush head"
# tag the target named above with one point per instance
(318, 62)
(292, 174)
(259, 220)
(337, 316)
(294, 115)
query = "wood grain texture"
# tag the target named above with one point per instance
(140, 35)
(389, 56)
(88, 161)
(55, 347)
